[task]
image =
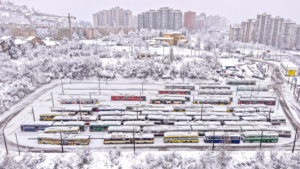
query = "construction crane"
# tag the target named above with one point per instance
(69, 17)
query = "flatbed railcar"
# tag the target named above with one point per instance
(179, 86)
(55, 139)
(215, 87)
(187, 97)
(86, 119)
(265, 101)
(215, 92)
(212, 101)
(167, 100)
(222, 137)
(102, 125)
(35, 126)
(181, 137)
(98, 109)
(253, 88)
(124, 129)
(79, 101)
(175, 91)
(74, 111)
(128, 138)
(258, 136)
(124, 118)
(258, 108)
(128, 98)
(67, 130)
(115, 113)
(241, 82)
(79, 124)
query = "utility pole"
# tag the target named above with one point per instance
(279, 101)
(262, 132)
(52, 99)
(18, 144)
(62, 146)
(70, 80)
(270, 115)
(294, 140)
(213, 147)
(99, 87)
(5, 144)
(140, 97)
(237, 90)
(80, 111)
(250, 96)
(133, 141)
(33, 114)
(258, 88)
(142, 87)
(62, 87)
(201, 111)
(90, 96)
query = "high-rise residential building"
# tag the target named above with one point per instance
(248, 31)
(235, 33)
(287, 38)
(113, 17)
(275, 31)
(189, 20)
(262, 27)
(163, 18)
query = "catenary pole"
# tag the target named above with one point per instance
(213, 142)
(262, 132)
(17, 143)
(52, 99)
(62, 147)
(33, 114)
(294, 140)
(62, 87)
(99, 87)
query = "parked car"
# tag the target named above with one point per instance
(240, 76)
(258, 77)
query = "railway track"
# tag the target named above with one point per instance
(277, 79)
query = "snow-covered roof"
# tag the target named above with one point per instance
(5, 37)
(289, 65)
(30, 38)
(50, 43)
(180, 134)
(21, 42)
(163, 38)
(138, 123)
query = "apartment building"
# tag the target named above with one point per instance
(235, 33)
(113, 17)
(287, 32)
(20, 32)
(189, 20)
(107, 30)
(248, 31)
(262, 27)
(275, 31)
(63, 32)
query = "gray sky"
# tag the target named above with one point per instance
(235, 10)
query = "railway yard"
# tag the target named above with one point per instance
(163, 115)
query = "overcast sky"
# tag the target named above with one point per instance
(235, 10)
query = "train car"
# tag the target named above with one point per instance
(167, 100)
(55, 139)
(197, 123)
(67, 130)
(86, 119)
(181, 137)
(266, 101)
(256, 96)
(215, 87)
(240, 82)
(253, 88)
(158, 130)
(124, 129)
(179, 86)
(241, 115)
(79, 124)
(216, 96)
(283, 131)
(163, 109)
(253, 128)
(49, 116)
(73, 111)
(98, 109)
(138, 123)
(246, 123)
(175, 91)
(260, 136)
(215, 92)
(122, 119)
(192, 108)
(258, 108)
(225, 128)
(35, 126)
(102, 125)
(128, 138)
(160, 119)
(187, 97)
(213, 101)
(244, 110)
(222, 137)
(254, 118)
(193, 114)
(274, 119)
(128, 98)
(115, 113)
(79, 101)
(147, 113)
(201, 130)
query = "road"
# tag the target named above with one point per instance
(277, 81)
